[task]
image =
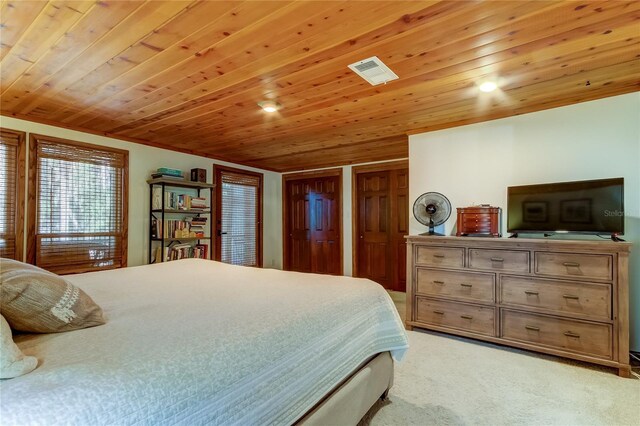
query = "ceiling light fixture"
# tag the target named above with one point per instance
(488, 86)
(269, 106)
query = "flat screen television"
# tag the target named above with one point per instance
(586, 207)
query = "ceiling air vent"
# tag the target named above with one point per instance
(373, 70)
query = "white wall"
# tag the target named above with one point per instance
(474, 164)
(145, 159)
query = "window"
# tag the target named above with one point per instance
(238, 216)
(12, 169)
(79, 222)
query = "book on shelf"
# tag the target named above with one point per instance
(197, 231)
(168, 177)
(188, 202)
(191, 227)
(156, 198)
(165, 172)
(176, 201)
(199, 203)
(169, 171)
(157, 255)
(197, 221)
(186, 251)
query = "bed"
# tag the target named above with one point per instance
(201, 342)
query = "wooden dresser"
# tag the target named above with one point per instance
(563, 297)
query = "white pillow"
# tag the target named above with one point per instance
(13, 363)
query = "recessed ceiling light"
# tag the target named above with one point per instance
(488, 86)
(269, 106)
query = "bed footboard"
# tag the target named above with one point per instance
(348, 403)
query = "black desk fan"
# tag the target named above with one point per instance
(432, 209)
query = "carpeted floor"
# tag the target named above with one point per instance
(446, 380)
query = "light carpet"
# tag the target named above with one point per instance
(446, 380)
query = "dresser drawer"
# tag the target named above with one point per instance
(562, 297)
(478, 225)
(470, 221)
(499, 260)
(476, 229)
(484, 216)
(444, 257)
(470, 286)
(476, 319)
(563, 334)
(575, 265)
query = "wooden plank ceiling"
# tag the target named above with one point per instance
(187, 75)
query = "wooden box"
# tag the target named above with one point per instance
(199, 175)
(479, 221)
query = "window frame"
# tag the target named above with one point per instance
(217, 207)
(34, 196)
(21, 169)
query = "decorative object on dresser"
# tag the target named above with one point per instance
(179, 219)
(562, 297)
(432, 209)
(479, 221)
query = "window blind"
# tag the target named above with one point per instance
(10, 144)
(240, 205)
(81, 223)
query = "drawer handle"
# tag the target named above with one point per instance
(439, 256)
(466, 285)
(571, 264)
(532, 328)
(571, 334)
(497, 259)
(469, 317)
(438, 282)
(531, 293)
(571, 296)
(438, 312)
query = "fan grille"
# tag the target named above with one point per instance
(432, 202)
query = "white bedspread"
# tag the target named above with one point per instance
(201, 342)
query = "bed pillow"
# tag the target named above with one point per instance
(13, 363)
(38, 301)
